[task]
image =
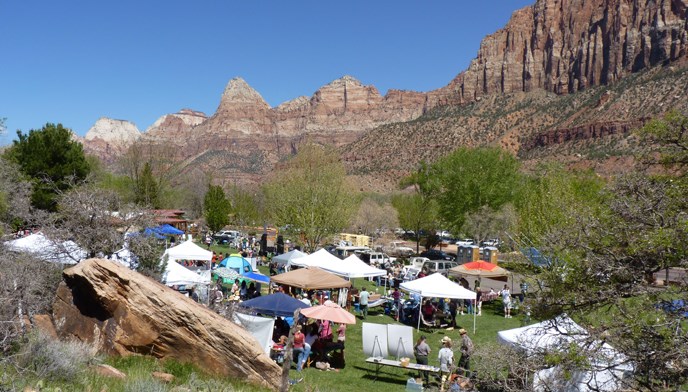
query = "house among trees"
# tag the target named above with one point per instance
(172, 217)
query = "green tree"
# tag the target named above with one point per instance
(216, 208)
(416, 212)
(147, 189)
(553, 199)
(246, 208)
(670, 135)
(52, 160)
(310, 193)
(469, 179)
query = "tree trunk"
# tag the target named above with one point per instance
(284, 386)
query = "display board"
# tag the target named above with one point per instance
(400, 340)
(375, 340)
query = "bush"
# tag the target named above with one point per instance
(53, 359)
(144, 385)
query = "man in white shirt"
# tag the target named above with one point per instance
(363, 302)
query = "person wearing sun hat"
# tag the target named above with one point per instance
(466, 352)
(446, 357)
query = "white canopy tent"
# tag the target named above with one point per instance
(286, 258)
(351, 267)
(176, 275)
(607, 365)
(438, 286)
(316, 259)
(67, 252)
(187, 250)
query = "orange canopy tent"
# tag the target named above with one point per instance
(480, 269)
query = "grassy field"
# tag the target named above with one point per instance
(358, 375)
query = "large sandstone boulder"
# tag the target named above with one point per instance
(123, 312)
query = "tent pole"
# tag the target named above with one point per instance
(475, 312)
(419, 309)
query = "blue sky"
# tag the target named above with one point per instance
(75, 61)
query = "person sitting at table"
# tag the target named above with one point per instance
(428, 311)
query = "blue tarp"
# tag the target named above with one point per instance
(677, 307)
(536, 257)
(257, 277)
(168, 229)
(150, 231)
(277, 304)
(162, 230)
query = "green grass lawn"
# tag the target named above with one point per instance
(358, 375)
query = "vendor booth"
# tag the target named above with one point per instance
(285, 259)
(607, 366)
(187, 250)
(437, 286)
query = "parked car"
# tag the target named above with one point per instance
(440, 266)
(434, 254)
(465, 242)
(399, 249)
(418, 261)
(494, 242)
(226, 236)
(377, 258)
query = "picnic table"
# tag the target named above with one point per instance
(380, 362)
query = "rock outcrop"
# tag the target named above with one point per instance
(109, 138)
(564, 46)
(122, 313)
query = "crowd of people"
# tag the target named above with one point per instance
(313, 339)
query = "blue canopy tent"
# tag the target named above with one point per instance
(152, 232)
(277, 304)
(237, 263)
(260, 278)
(169, 230)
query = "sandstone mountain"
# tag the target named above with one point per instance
(108, 137)
(550, 55)
(122, 312)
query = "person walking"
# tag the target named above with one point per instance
(446, 357)
(422, 351)
(363, 296)
(506, 301)
(466, 352)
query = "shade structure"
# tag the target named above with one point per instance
(67, 252)
(277, 304)
(316, 259)
(480, 269)
(286, 258)
(187, 250)
(607, 366)
(256, 277)
(330, 311)
(311, 278)
(176, 275)
(438, 286)
(168, 229)
(237, 263)
(351, 267)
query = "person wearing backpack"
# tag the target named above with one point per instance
(466, 352)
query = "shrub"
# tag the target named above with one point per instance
(144, 385)
(53, 359)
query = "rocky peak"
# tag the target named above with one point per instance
(177, 122)
(113, 131)
(239, 93)
(564, 46)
